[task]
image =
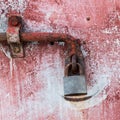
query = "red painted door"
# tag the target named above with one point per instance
(31, 88)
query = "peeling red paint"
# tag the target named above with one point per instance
(31, 88)
(34, 16)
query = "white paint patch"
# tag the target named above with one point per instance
(84, 52)
(22, 5)
(117, 42)
(41, 27)
(7, 54)
(110, 30)
(48, 98)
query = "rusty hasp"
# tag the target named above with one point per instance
(14, 36)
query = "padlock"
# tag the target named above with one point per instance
(75, 84)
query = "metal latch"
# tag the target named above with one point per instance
(15, 36)
(74, 80)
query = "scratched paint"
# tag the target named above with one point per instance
(32, 88)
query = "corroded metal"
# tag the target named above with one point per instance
(74, 63)
(71, 42)
(13, 37)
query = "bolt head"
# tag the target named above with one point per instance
(14, 20)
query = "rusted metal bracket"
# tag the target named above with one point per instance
(13, 36)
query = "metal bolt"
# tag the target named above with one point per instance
(16, 49)
(14, 20)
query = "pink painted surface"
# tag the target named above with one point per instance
(32, 88)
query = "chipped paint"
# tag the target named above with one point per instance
(32, 88)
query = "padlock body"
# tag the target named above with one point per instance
(75, 85)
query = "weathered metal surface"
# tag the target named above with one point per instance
(74, 60)
(13, 36)
(31, 88)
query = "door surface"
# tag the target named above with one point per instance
(31, 88)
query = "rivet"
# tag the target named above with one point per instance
(14, 21)
(16, 49)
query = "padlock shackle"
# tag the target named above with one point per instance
(66, 72)
(74, 63)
